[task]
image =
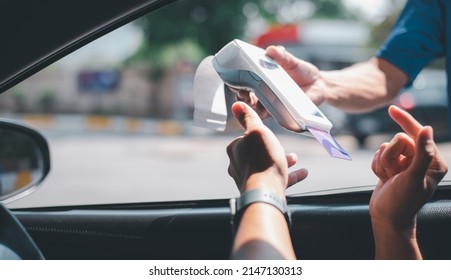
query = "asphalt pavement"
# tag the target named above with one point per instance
(114, 168)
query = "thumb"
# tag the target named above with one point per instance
(424, 153)
(246, 116)
(283, 57)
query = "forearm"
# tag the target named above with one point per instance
(262, 234)
(364, 86)
(395, 244)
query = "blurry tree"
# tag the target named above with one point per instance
(192, 29)
(209, 23)
(380, 31)
(204, 26)
(186, 30)
(47, 100)
(331, 9)
(19, 97)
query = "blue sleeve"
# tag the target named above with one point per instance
(417, 38)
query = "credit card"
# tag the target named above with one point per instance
(329, 143)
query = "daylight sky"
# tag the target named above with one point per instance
(373, 10)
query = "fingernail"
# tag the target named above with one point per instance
(281, 48)
(429, 146)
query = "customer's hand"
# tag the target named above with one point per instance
(409, 168)
(257, 159)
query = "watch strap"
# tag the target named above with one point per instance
(238, 205)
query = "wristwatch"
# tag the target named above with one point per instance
(238, 205)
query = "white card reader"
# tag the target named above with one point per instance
(244, 66)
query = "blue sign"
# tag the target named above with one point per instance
(99, 81)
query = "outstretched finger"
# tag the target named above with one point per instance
(246, 116)
(405, 120)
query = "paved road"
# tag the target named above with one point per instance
(101, 169)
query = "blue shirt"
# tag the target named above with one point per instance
(421, 35)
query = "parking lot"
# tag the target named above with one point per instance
(107, 168)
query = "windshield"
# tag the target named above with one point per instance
(118, 113)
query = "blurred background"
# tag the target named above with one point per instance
(137, 81)
(146, 69)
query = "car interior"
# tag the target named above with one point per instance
(325, 226)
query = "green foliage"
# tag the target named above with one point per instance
(19, 97)
(47, 100)
(332, 9)
(380, 31)
(195, 29)
(204, 25)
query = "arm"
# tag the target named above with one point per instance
(409, 168)
(257, 160)
(415, 41)
(364, 86)
(262, 234)
(361, 87)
